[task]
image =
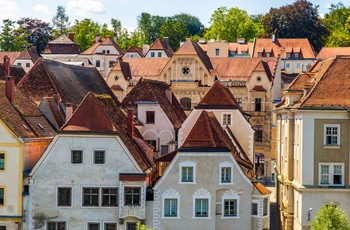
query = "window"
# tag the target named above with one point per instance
(239, 101)
(170, 207)
(226, 175)
(331, 134)
(64, 196)
(107, 51)
(159, 54)
(153, 143)
(150, 117)
(259, 54)
(93, 226)
(164, 149)
(56, 225)
(111, 64)
(201, 208)
(255, 208)
(287, 65)
(2, 161)
(152, 54)
(288, 55)
(268, 54)
(258, 133)
(331, 174)
(2, 196)
(103, 51)
(109, 196)
(217, 52)
(185, 103)
(257, 104)
(244, 52)
(98, 63)
(187, 174)
(226, 119)
(19, 64)
(296, 55)
(132, 196)
(110, 226)
(230, 208)
(77, 156)
(27, 65)
(99, 157)
(90, 196)
(265, 206)
(298, 65)
(131, 226)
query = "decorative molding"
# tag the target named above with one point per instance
(171, 193)
(230, 193)
(202, 192)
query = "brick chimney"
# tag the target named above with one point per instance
(7, 65)
(130, 122)
(166, 42)
(98, 37)
(71, 36)
(69, 111)
(10, 88)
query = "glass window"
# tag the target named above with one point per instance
(226, 119)
(287, 65)
(99, 157)
(164, 149)
(254, 209)
(64, 196)
(110, 226)
(111, 64)
(217, 52)
(90, 196)
(2, 161)
(131, 226)
(107, 51)
(230, 208)
(259, 54)
(132, 196)
(298, 65)
(296, 55)
(258, 133)
(56, 225)
(27, 65)
(239, 101)
(268, 54)
(226, 174)
(19, 64)
(152, 54)
(288, 55)
(93, 226)
(153, 143)
(109, 196)
(257, 104)
(77, 156)
(98, 63)
(332, 135)
(185, 103)
(150, 117)
(338, 174)
(187, 174)
(2, 196)
(324, 174)
(170, 207)
(159, 54)
(201, 208)
(265, 206)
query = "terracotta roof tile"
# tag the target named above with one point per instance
(12, 55)
(30, 53)
(258, 88)
(124, 67)
(329, 52)
(104, 41)
(162, 45)
(62, 45)
(15, 71)
(136, 49)
(151, 90)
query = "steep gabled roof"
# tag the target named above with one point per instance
(191, 47)
(329, 52)
(62, 45)
(151, 90)
(100, 113)
(30, 53)
(104, 41)
(22, 116)
(124, 67)
(47, 78)
(162, 45)
(16, 71)
(135, 49)
(12, 55)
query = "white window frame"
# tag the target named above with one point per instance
(258, 208)
(225, 164)
(171, 194)
(109, 222)
(325, 135)
(229, 195)
(93, 157)
(71, 156)
(71, 196)
(187, 164)
(201, 194)
(331, 173)
(225, 119)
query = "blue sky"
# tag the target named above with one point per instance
(127, 10)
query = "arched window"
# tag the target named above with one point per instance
(185, 103)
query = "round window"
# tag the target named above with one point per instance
(185, 70)
(258, 78)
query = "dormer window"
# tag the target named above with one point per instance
(260, 54)
(107, 51)
(288, 55)
(103, 51)
(217, 52)
(296, 55)
(268, 54)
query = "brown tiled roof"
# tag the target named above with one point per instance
(258, 88)
(191, 47)
(100, 113)
(124, 67)
(117, 87)
(162, 45)
(167, 157)
(30, 53)
(151, 90)
(136, 49)
(283, 45)
(12, 55)
(62, 45)
(146, 67)
(23, 117)
(47, 78)
(104, 41)
(242, 68)
(132, 177)
(329, 52)
(15, 71)
(238, 48)
(262, 189)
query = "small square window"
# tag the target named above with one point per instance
(64, 196)
(98, 63)
(230, 207)
(201, 208)
(110, 226)
(56, 225)
(77, 156)
(159, 54)
(150, 117)
(268, 54)
(90, 196)
(2, 161)
(27, 65)
(296, 55)
(187, 174)
(99, 157)
(132, 196)
(170, 207)
(152, 54)
(226, 119)
(93, 226)
(19, 64)
(109, 196)
(111, 64)
(287, 65)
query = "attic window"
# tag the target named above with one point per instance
(116, 78)
(107, 51)
(258, 78)
(268, 54)
(296, 55)
(103, 51)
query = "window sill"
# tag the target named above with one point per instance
(331, 186)
(170, 217)
(201, 218)
(226, 183)
(331, 146)
(230, 217)
(182, 182)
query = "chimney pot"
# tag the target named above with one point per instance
(10, 88)
(130, 122)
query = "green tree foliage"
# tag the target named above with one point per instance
(149, 26)
(192, 23)
(85, 32)
(60, 21)
(6, 37)
(230, 24)
(330, 217)
(176, 30)
(117, 26)
(297, 20)
(140, 226)
(34, 31)
(338, 23)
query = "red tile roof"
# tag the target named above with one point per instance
(151, 90)
(100, 113)
(15, 71)
(329, 52)
(162, 45)
(104, 41)
(12, 55)
(30, 54)
(124, 67)
(136, 49)
(258, 88)
(62, 45)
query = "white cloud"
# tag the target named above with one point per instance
(85, 7)
(41, 9)
(8, 10)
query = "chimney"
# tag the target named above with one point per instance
(98, 37)
(10, 88)
(169, 95)
(130, 122)
(71, 36)
(166, 42)
(69, 111)
(115, 38)
(273, 38)
(145, 49)
(7, 65)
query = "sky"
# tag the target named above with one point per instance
(127, 11)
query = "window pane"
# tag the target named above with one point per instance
(94, 226)
(254, 209)
(109, 197)
(265, 204)
(150, 117)
(90, 196)
(77, 157)
(226, 175)
(64, 197)
(2, 195)
(132, 196)
(111, 226)
(324, 169)
(170, 207)
(2, 161)
(187, 174)
(99, 157)
(201, 207)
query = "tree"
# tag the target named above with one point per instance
(230, 24)
(330, 217)
(85, 32)
(60, 20)
(297, 20)
(6, 37)
(117, 26)
(150, 27)
(192, 23)
(35, 31)
(176, 31)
